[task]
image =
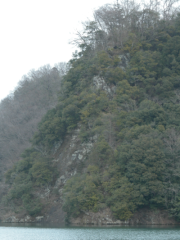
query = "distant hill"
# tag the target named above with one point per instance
(21, 111)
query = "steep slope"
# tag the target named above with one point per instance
(111, 144)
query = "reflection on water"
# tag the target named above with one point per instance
(44, 232)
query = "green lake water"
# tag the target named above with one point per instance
(39, 232)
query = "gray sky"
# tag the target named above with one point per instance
(37, 32)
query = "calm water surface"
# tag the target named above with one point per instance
(13, 232)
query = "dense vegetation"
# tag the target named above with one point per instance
(31, 172)
(135, 162)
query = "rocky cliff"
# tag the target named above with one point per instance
(109, 151)
(70, 156)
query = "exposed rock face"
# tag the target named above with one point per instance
(152, 217)
(69, 156)
(124, 61)
(103, 217)
(142, 217)
(56, 147)
(25, 219)
(100, 83)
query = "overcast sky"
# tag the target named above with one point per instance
(37, 32)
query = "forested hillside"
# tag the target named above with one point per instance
(123, 91)
(21, 111)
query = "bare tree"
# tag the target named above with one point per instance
(21, 112)
(113, 23)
